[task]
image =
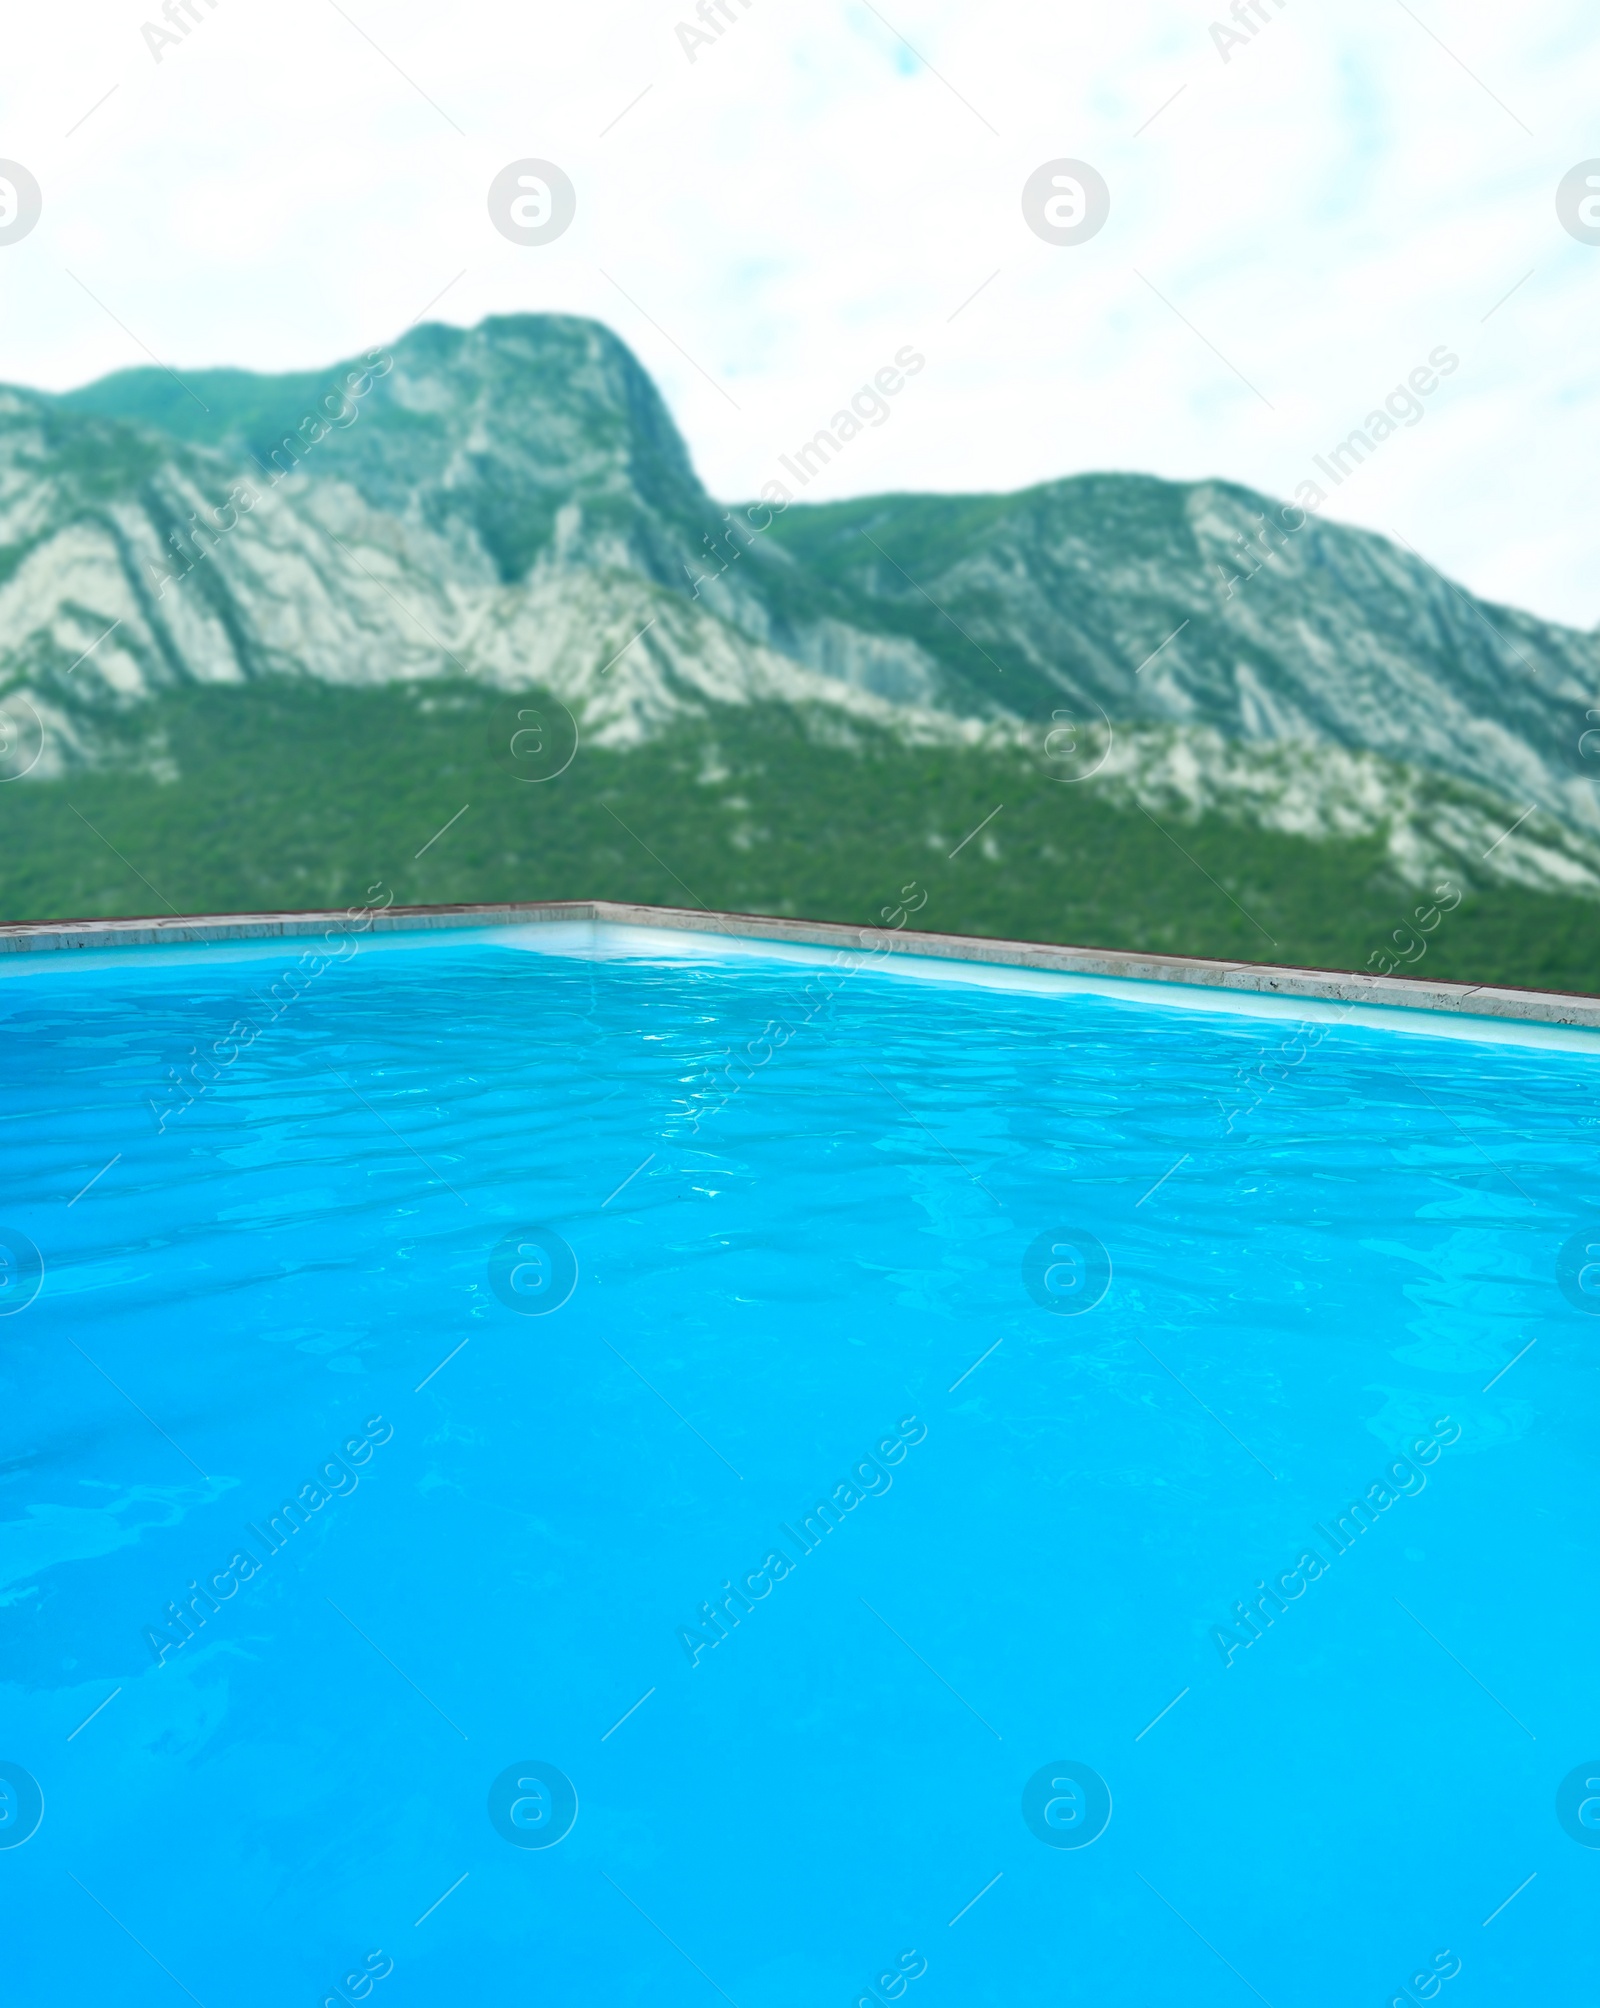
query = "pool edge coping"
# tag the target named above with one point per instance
(1410, 993)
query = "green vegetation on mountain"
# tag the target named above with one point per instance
(262, 623)
(295, 794)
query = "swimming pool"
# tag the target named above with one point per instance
(595, 1467)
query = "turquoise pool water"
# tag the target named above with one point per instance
(601, 1477)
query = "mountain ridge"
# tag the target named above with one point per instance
(513, 503)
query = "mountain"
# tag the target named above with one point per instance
(510, 507)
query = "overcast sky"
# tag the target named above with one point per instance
(1292, 231)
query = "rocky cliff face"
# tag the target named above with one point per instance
(513, 503)
(1198, 606)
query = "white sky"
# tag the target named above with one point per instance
(787, 211)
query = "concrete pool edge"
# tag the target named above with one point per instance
(1408, 993)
